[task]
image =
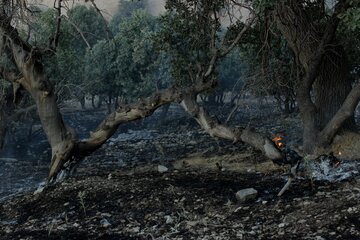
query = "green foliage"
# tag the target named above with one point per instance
(91, 25)
(129, 65)
(351, 18)
(186, 36)
(125, 11)
(66, 67)
(261, 6)
(349, 36)
(100, 69)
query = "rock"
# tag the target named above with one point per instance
(281, 225)
(135, 230)
(162, 169)
(168, 219)
(302, 221)
(105, 214)
(39, 190)
(105, 223)
(246, 194)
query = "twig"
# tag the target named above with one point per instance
(293, 173)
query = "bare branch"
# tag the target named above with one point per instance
(108, 31)
(79, 31)
(225, 50)
(54, 41)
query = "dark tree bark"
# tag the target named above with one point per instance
(93, 101)
(326, 70)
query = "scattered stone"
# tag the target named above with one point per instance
(135, 230)
(105, 215)
(168, 219)
(281, 225)
(192, 223)
(162, 169)
(105, 223)
(246, 194)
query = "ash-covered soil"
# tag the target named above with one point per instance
(183, 204)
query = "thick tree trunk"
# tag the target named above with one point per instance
(332, 86)
(326, 70)
(35, 81)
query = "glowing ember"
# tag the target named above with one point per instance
(278, 142)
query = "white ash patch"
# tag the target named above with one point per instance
(323, 170)
(133, 135)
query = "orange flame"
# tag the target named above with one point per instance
(278, 142)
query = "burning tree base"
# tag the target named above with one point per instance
(323, 168)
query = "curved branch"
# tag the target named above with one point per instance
(130, 112)
(225, 50)
(216, 129)
(54, 41)
(79, 31)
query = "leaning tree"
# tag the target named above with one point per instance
(28, 73)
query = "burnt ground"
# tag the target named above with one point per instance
(118, 193)
(183, 205)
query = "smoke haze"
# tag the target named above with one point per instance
(108, 7)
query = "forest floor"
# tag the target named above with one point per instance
(184, 204)
(166, 184)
